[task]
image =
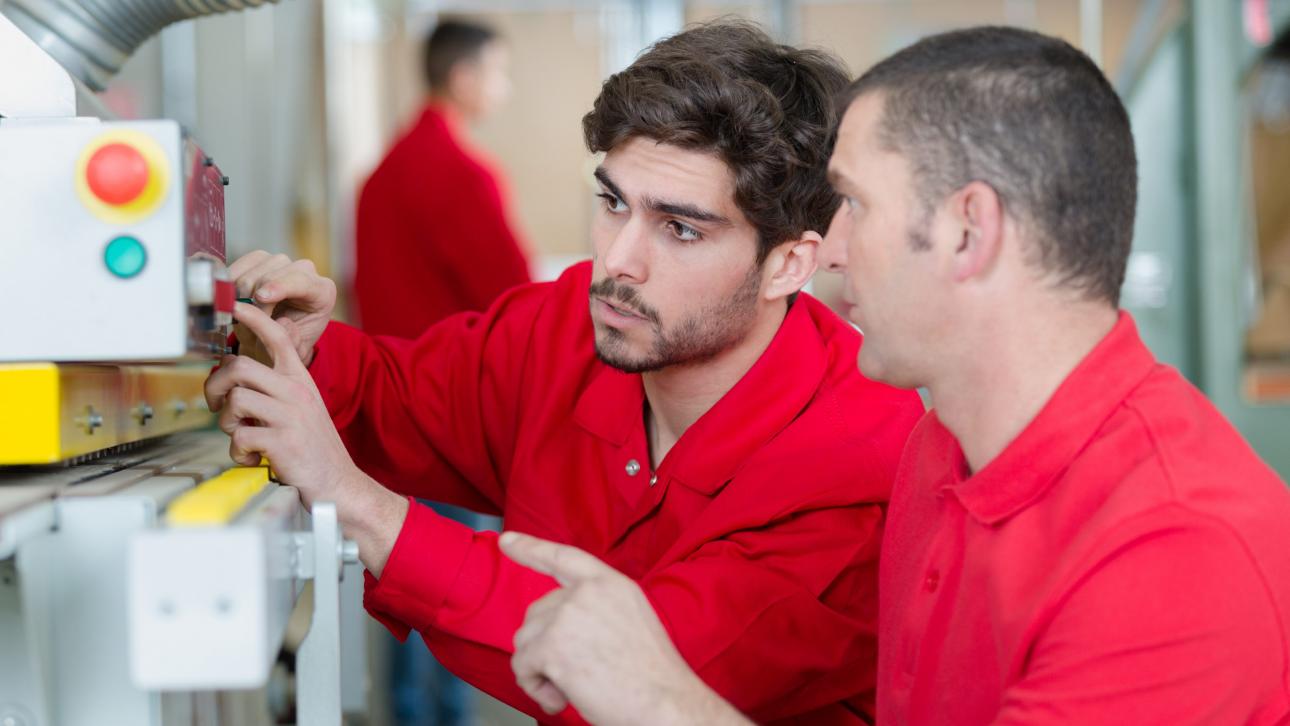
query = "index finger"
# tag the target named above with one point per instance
(271, 335)
(296, 283)
(246, 262)
(568, 565)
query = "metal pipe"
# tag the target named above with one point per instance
(1142, 40)
(93, 38)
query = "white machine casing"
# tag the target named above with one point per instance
(216, 619)
(60, 300)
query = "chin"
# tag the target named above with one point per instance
(873, 366)
(616, 351)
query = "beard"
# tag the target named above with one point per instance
(697, 338)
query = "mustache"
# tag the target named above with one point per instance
(625, 295)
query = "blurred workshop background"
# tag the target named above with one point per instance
(298, 101)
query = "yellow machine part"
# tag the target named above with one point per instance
(217, 501)
(53, 412)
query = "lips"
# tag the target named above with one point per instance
(625, 311)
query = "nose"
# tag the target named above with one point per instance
(833, 250)
(627, 259)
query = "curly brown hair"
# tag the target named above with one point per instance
(766, 109)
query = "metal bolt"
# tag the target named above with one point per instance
(208, 161)
(349, 551)
(144, 413)
(223, 180)
(179, 407)
(93, 420)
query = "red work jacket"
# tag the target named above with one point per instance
(756, 540)
(433, 236)
(1125, 560)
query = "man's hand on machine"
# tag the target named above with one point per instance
(293, 293)
(276, 411)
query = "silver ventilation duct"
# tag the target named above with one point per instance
(93, 38)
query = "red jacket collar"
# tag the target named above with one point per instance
(768, 397)
(1029, 466)
(440, 116)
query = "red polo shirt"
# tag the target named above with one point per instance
(756, 539)
(1125, 560)
(433, 232)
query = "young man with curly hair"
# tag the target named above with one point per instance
(676, 406)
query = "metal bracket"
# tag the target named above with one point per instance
(25, 523)
(318, 660)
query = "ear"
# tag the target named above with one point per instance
(463, 77)
(790, 266)
(978, 215)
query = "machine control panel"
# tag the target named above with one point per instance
(113, 248)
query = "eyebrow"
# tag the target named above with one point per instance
(675, 209)
(836, 177)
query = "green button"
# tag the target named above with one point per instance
(125, 257)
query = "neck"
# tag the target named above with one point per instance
(449, 107)
(1000, 384)
(679, 395)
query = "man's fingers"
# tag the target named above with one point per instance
(530, 678)
(238, 371)
(248, 277)
(298, 282)
(548, 696)
(248, 444)
(274, 338)
(539, 616)
(242, 404)
(566, 564)
(247, 262)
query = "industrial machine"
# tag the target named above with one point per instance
(145, 579)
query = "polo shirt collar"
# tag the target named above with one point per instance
(440, 116)
(764, 401)
(1029, 466)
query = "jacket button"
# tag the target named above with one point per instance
(633, 467)
(653, 479)
(932, 581)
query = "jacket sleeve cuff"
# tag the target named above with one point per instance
(425, 562)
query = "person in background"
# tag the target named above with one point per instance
(434, 232)
(1076, 535)
(435, 238)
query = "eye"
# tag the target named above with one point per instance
(852, 203)
(613, 204)
(683, 231)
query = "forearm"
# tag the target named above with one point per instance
(372, 516)
(695, 703)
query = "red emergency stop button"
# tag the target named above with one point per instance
(123, 174)
(117, 173)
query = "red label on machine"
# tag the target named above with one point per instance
(225, 296)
